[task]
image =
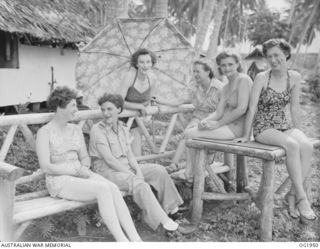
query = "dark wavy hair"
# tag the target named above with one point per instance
(60, 97)
(224, 55)
(280, 43)
(115, 99)
(142, 51)
(206, 67)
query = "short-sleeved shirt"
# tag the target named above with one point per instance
(118, 141)
(205, 102)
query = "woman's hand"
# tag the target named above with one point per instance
(143, 110)
(241, 140)
(83, 172)
(139, 174)
(203, 125)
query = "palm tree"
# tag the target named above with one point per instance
(308, 26)
(213, 46)
(203, 23)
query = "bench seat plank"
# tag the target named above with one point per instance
(251, 149)
(41, 207)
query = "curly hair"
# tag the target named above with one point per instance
(206, 67)
(142, 51)
(115, 99)
(280, 43)
(224, 55)
(60, 97)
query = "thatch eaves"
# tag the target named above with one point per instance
(255, 54)
(59, 20)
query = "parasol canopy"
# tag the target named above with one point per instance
(103, 63)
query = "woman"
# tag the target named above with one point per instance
(275, 95)
(63, 157)
(228, 120)
(138, 89)
(112, 157)
(204, 97)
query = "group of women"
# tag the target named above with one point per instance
(269, 107)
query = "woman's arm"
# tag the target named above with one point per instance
(43, 153)
(295, 103)
(220, 108)
(108, 157)
(243, 91)
(253, 103)
(83, 153)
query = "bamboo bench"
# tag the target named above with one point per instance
(17, 211)
(263, 198)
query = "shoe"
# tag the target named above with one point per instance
(175, 216)
(173, 167)
(292, 210)
(307, 217)
(184, 229)
(181, 176)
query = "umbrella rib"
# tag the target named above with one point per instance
(178, 81)
(155, 26)
(125, 41)
(99, 52)
(104, 76)
(168, 49)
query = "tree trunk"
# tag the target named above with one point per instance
(213, 47)
(202, 28)
(227, 23)
(307, 26)
(293, 5)
(161, 8)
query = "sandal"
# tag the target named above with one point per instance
(309, 216)
(292, 210)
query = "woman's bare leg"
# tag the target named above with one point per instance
(294, 167)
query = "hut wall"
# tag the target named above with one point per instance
(30, 82)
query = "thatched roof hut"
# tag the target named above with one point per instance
(58, 21)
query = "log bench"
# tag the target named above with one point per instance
(263, 198)
(17, 211)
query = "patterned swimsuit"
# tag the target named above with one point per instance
(272, 110)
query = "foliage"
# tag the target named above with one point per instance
(264, 25)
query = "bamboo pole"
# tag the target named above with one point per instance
(129, 123)
(198, 185)
(37, 175)
(7, 192)
(265, 200)
(32, 195)
(242, 174)
(27, 133)
(169, 132)
(215, 178)
(19, 231)
(225, 196)
(10, 172)
(39, 118)
(156, 156)
(146, 134)
(7, 142)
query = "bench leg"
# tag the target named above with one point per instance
(7, 193)
(264, 200)
(198, 185)
(242, 174)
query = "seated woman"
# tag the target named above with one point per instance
(113, 158)
(138, 89)
(63, 157)
(228, 120)
(275, 91)
(204, 97)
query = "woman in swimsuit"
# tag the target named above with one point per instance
(138, 90)
(275, 95)
(64, 159)
(228, 120)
